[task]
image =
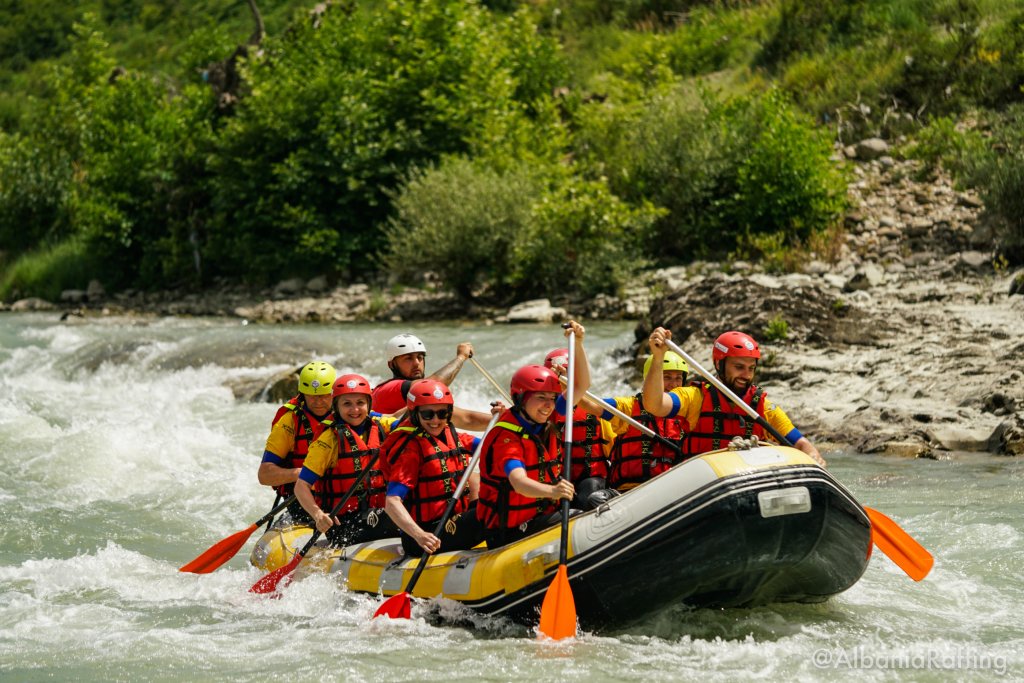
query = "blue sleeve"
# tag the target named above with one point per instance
(794, 435)
(273, 458)
(560, 405)
(607, 415)
(309, 476)
(513, 465)
(374, 413)
(675, 404)
(476, 442)
(396, 489)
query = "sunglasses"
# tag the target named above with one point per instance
(429, 414)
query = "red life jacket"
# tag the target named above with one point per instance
(636, 457)
(720, 420)
(307, 430)
(587, 453)
(354, 456)
(500, 506)
(443, 461)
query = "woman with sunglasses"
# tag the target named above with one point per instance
(521, 482)
(424, 460)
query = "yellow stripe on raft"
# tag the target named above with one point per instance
(729, 463)
(506, 570)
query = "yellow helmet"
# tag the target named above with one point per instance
(673, 361)
(317, 378)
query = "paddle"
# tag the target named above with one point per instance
(268, 584)
(399, 606)
(223, 550)
(628, 419)
(270, 521)
(558, 611)
(487, 376)
(896, 543)
(899, 546)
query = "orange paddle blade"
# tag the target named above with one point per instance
(268, 584)
(219, 553)
(899, 546)
(398, 606)
(558, 612)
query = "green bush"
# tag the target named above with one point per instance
(335, 117)
(811, 27)
(48, 271)
(581, 239)
(459, 220)
(777, 329)
(35, 183)
(998, 172)
(721, 169)
(941, 144)
(785, 181)
(506, 235)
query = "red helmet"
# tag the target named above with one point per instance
(427, 392)
(557, 357)
(736, 345)
(533, 378)
(351, 384)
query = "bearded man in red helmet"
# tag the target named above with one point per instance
(713, 419)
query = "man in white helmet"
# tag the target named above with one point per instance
(406, 356)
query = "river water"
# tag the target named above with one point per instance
(125, 454)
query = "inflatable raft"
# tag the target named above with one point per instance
(731, 528)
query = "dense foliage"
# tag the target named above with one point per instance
(511, 148)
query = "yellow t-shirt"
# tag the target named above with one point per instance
(323, 452)
(281, 441)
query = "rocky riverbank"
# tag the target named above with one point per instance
(911, 343)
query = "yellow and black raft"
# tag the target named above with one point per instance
(731, 528)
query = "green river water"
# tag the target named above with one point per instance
(125, 454)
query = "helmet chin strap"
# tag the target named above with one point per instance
(520, 410)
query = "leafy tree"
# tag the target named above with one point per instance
(336, 115)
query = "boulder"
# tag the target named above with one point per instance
(32, 304)
(317, 284)
(1017, 283)
(535, 311)
(872, 148)
(95, 290)
(962, 438)
(290, 287)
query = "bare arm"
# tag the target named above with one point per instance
(656, 401)
(581, 367)
(471, 420)
(270, 474)
(403, 520)
(804, 444)
(447, 374)
(305, 496)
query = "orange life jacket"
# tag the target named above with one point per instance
(636, 457)
(500, 506)
(307, 430)
(443, 461)
(354, 456)
(720, 420)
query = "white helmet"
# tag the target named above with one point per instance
(401, 344)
